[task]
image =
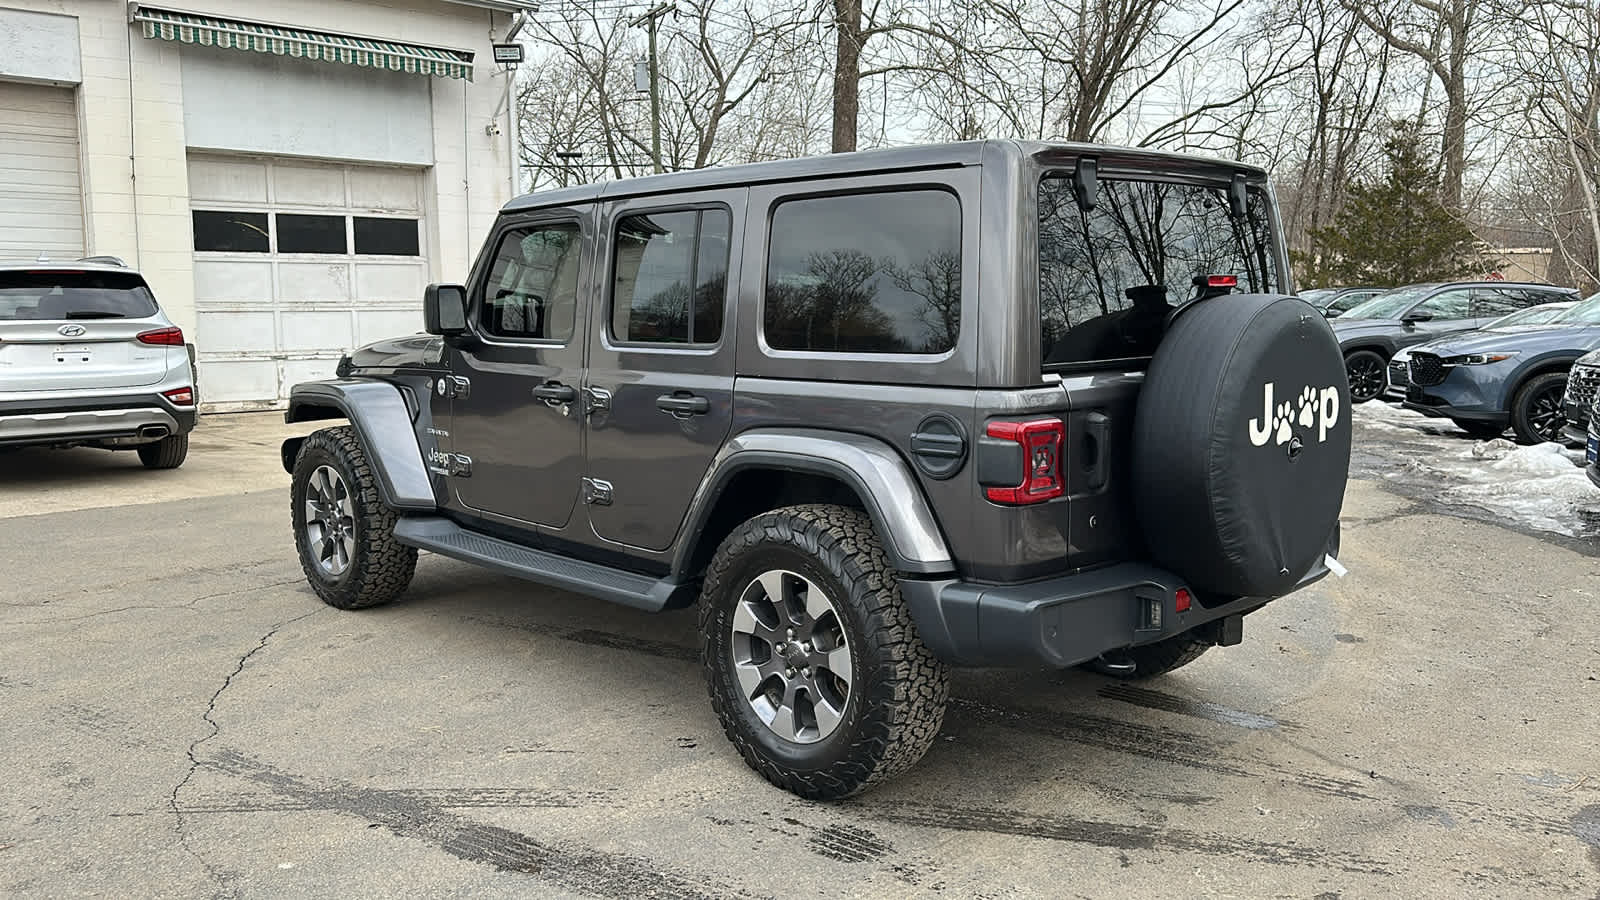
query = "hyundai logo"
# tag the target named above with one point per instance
(71, 330)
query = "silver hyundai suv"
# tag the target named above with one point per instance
(87, 359)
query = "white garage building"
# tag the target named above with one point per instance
(288, 174)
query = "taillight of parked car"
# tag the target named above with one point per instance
(180, 396)
(1039, 442)
(171, 337)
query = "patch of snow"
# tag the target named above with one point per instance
(1377, 409)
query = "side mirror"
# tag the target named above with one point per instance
(1330, 313)
(1415, 316)
(444, 309)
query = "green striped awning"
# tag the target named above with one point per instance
(238, 34)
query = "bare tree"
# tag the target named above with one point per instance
(1446, 36)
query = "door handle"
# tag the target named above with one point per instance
(683, 404)
(555, 393)
(1097, 428)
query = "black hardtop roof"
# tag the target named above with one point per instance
(925, 156)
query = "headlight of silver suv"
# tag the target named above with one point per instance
(1478, 359)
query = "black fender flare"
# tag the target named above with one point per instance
(382, 420)
(879, 476)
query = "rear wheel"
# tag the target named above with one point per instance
(1483, 430)
(1368, 374)
(342, 530)
(813, 663)
(167, 453)
(1536, 414)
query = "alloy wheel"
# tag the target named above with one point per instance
(791, 656)
(1545, 414)
(1366, 374)
(330, 521)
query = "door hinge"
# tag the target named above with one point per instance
(596, 492)
(456, 464)
(454, 387)
(595, 400)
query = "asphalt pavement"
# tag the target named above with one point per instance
(182, 718)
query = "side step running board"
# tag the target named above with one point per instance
(446, 538)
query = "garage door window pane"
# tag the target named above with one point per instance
(311, 234)
(230, 232)
(386, 237)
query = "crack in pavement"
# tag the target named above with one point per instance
(216, 729)
(188, 605)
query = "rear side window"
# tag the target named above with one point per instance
(1108, 277)
(532, 289)
(74, 295)
(670, 280)
(865, 273)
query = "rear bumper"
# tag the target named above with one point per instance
(127, 419)
(1064, 621)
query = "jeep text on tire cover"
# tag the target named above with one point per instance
(785, 392)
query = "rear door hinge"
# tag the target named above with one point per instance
(596, 492)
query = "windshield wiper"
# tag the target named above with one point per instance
(94, 314)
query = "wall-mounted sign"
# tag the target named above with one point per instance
(508, 54)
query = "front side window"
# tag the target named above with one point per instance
(1109, 277)
(532, 288)
(865, 273)
(670, 280)
(1448, 305)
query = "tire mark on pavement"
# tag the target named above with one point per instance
(444, 798)
(594, 638)
(411, 814)
(1119, 836)
(1199, 709)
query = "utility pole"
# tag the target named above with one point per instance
(649, 20)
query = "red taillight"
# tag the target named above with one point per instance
(172, 337)
(1041, 441)
(1222, 281)
(1182, 600)
(180, 396)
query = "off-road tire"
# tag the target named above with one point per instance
(1522, 407)
(381, 567)
(1359, 362)
(899, 689)
(167, 453)
(1480, 430)
(1155, 659)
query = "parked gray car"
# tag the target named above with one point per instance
(791, 393)
(1486, 381)
(1371, 334)
(88, 359)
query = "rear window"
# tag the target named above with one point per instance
(1108, 277)
(865, 273)
(74, 295)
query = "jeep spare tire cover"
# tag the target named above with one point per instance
(1241, 444)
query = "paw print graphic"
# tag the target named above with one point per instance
(1307, 407)
(1281, 421)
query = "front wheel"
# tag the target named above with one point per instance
(1368, 374)
(342, 530)
(812, 660)
(1536, 414)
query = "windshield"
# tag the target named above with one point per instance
(1585, 313)
(1390, 304)
(1109, 276)
(57, 295)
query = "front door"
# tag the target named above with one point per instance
(516, 421)
(660, 379)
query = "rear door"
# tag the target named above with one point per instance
(70, 330)
(659, 395)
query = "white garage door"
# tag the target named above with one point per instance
(41, 202)
(296, 263)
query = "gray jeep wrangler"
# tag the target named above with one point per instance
(879, 414)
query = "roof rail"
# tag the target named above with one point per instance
(105, 260)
